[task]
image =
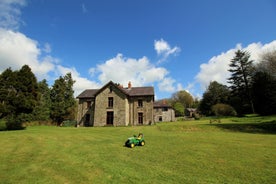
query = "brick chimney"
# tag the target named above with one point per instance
(129, 85)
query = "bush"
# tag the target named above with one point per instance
(223, 110)
(14, 124)
(69, 123)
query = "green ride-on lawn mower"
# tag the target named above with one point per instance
(135, 141)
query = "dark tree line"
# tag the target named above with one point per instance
(252, 88)
(23, 98)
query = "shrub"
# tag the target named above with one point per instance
(14, 124)
(69, 123)
(223, 110)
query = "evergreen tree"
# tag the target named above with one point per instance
(42, 110)
(241, 69)
(7, 92)
(18, 96)
(62, 98)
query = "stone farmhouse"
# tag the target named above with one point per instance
(163, 111)
(114, 105)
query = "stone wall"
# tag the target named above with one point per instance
(84, 109)
(119, 107)
(146, 109)
(161, 115)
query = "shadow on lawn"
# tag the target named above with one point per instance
(262, 128)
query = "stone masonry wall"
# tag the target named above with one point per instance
(119, 107)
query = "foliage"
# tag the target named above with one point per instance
(217, 153)
(2, 125)
(223, 110)
(240, 81)
(42, 110)
(264, 93)
(268, 63)
(18, 95)
(179, 109)
(14, 123)
(264, 84)
(215, 93)
(62, 98)
(69, 123)
(181, 100)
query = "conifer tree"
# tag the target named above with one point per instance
(240, 81)
(62, 98)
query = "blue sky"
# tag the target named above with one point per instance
(169, 44)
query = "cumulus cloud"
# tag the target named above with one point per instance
(10, 11)
(81, 83)
(164, 50)
(216, 69)
(122, 70)
(17, 50)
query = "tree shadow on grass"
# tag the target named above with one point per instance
(261, 128)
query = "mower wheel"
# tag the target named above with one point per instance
(142, 143)
(132, 145)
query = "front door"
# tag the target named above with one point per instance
(109, 118)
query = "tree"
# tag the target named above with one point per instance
(7, 92)
(240, 81)
(264, 93)
(268, 63)
(181, 100)
(18, 96)
(264, 84)
(62, 98)
(179, 109)
(216, 93)
(42, 110)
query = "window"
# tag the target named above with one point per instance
(110, 89)
(140, 103)
(110, 102)
(165, 109)
(140, 118)
(160, 118)
(88, 104)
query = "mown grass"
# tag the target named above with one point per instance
(179, 152)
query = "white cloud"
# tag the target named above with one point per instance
(167, 85)
(164, 50)
(216, 69)
(17, 50)
(122, 70)
(47, 48)
(10, 13)
(81, 83)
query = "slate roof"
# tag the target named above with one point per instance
(160, 104)
(88, 93)
(133, 91)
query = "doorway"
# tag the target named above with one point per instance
(109, 118)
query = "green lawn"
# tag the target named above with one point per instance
(239, 150)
